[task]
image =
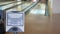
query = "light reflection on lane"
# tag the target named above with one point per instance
(23, 6)
(38, 9)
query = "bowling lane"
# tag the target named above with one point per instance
(21, 7)
(9, 5)
(1, 3)
(35, 23)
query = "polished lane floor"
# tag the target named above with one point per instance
(36, 22)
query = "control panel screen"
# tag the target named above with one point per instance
(14, 19)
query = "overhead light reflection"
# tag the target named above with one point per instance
(18, 2)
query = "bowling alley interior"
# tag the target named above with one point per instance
(29, 17)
